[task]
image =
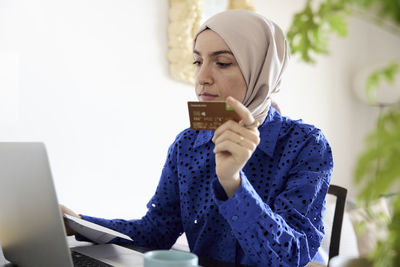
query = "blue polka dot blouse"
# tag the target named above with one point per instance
(273, 219)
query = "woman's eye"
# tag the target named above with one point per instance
(196, 62)
(223, 65)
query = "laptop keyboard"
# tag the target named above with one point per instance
(81, 260)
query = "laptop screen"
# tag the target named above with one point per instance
(31, 227)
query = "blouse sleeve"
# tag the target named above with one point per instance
(161, 225)
(289, 231)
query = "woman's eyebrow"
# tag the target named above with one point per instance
(215, 53)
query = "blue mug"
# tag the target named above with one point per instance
(170, 258)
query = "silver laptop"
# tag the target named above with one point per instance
(32, 231)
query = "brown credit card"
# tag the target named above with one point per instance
(207, 115)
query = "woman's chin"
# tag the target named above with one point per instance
(210, 98)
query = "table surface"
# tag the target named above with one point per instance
(206, 262)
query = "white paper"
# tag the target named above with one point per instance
(92, 231)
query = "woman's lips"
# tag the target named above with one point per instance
(207, 97)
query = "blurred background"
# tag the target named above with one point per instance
(90, 79)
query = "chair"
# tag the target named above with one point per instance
(340, 194)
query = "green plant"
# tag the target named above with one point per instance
(311, 27)
(378, 167)
(378, 171)
(387, 74)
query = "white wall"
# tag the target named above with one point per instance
(322, 94)
(90, 79)
(93, 85)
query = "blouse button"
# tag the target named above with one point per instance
(234, 218)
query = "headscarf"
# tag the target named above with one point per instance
(261, 50)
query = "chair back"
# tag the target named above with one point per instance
(341, 194)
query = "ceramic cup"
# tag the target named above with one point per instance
(170, 258)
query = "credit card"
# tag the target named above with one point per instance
(210, 115)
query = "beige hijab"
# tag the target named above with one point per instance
(261, 50)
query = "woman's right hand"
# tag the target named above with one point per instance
(66, 210)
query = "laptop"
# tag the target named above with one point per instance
(32, 231)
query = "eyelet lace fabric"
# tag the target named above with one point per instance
(273, 219)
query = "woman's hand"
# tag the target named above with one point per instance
(66, 210)
(234, 145)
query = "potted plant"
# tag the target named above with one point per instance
(378, 167)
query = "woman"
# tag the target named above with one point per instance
(251, 192)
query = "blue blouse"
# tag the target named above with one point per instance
(274, 218)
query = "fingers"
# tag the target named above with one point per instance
(247, 119)
(234, 145)
(251, 135)
(250, 142)
(236, 140)
(237, 151)
(241, 110)
(68, 211)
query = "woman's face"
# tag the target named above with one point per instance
(217, 73)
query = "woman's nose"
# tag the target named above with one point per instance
(204, 75)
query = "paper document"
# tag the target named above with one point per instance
(92, 231)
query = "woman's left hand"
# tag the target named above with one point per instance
(234, 145)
